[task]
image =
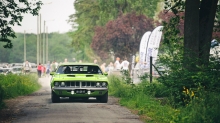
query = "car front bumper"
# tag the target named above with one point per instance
(79, 92)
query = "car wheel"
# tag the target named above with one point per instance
(104, 98)
(54, 97)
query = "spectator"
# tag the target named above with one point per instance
(43, 69)
(39, 67)
(103, 67)
(53, 66)
(27, 67)
(74, 59)
(48, 67)
(56, 64)
(117, 64)
(110, 67)
(125, 64)
(65, 60)
(95, 61)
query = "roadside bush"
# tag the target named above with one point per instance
(201, 109)
(17, 85)
(155, 89)
(1, 96)
(141, 98)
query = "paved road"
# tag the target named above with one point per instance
(37, 108)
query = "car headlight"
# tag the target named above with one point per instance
(56, 84)
(104, 84)
(62, 84)
(97, 84)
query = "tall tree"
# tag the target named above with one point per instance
(10, 14)
(121, 36)
(92, 13)
(198, 27)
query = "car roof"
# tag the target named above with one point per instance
(17, 67)
(77, 63)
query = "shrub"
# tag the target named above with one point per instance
(17, 85)
(141, 98)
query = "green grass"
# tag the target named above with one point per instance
(13, 85)
(153, 103)
(139, 99)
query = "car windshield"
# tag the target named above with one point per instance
(79, 69)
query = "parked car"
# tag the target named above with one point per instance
(5, 71)
(16, 64)
(33, 67)
(17, 70)
(79, 80)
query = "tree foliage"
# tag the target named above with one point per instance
(11, 13)
(92, 13)
(188, 60)
(198, 27)
(121, 36)
(59, 47)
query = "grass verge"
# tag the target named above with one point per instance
(13, 85)
(139, 99)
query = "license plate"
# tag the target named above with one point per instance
(80, 91)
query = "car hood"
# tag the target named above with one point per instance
(68, 77)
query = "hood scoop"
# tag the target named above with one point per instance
(71, 75)
(89, 75)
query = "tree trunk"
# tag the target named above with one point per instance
(191, 34)
(206, 23)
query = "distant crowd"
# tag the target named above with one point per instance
(44, 70)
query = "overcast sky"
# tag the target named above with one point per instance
(54, 12)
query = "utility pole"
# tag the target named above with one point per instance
(38, 40)
(24, 47)
(44, 44)
(40, 44)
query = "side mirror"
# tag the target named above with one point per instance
(106, 74)
(52, 73)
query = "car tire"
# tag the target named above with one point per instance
(104, 98)
(54, 97)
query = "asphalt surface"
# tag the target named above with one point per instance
(38, 108)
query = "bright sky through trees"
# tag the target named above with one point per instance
(54, 12)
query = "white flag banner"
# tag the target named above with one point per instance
(143, 46)
(153, 44)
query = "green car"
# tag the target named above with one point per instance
(79, 80)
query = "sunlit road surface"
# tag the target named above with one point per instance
(38, 108)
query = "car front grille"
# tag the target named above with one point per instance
(78, 84)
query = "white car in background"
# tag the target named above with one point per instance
(33, 67)
(17, 70)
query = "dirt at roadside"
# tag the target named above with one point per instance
(14, 107)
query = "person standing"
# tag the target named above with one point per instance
(48, 69)
(56, 64)
(53, 66)
(117, 64)
(39, 67)
(27, 67)
(74, 59)
(125, 64)
(95, 61)
(110, 67)
(43, 69)
(65, 60)
(103, 67)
